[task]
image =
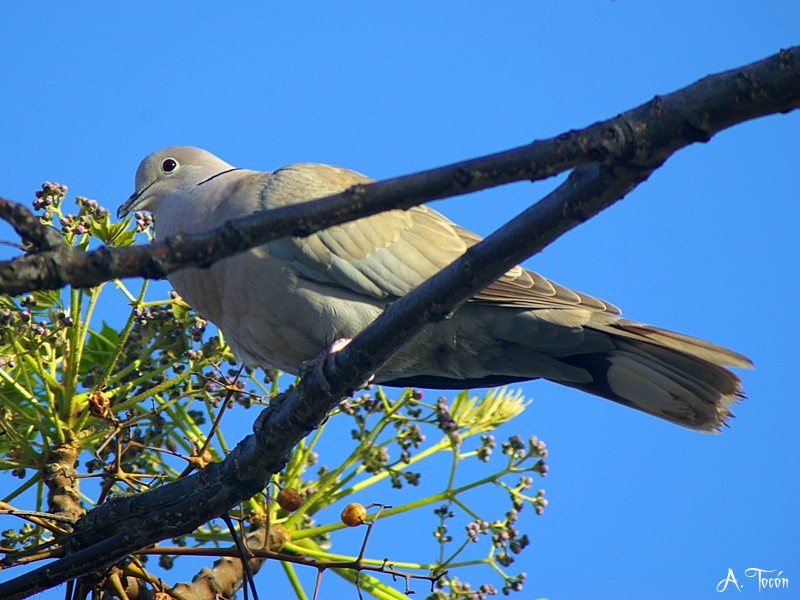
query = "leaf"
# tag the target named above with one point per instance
(48, 299)
(112, 234)
(10, 394)
(99, 347)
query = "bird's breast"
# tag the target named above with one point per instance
(269, 314)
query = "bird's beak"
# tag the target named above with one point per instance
(131, 204)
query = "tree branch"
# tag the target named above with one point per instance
(29, 228)
(637, 137)
(629, 148)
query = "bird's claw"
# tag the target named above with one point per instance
(318, 364)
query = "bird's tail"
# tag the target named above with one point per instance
(670, 375)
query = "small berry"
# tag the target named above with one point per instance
(289, 499)
(354, 514)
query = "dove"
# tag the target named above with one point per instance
(282, 303)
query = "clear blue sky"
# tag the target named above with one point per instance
(708, 246)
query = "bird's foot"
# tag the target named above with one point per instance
(319, 363)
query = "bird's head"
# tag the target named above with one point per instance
(167, 171)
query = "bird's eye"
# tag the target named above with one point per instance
(169, 165)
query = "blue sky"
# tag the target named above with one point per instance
(708, 246)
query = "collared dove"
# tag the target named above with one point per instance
(282, 303)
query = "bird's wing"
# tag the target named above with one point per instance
(387, 255)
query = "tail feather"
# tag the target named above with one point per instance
(668, 383)
(679, 342)
(672, 376)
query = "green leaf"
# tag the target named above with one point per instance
(99, 347)
(112, 234)
(48, 299)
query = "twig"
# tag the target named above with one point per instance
(228, 394)
(244, 555)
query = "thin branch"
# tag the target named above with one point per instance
(636, 143)
(637, 137)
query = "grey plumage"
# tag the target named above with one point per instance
(282, 303)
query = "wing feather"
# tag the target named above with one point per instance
(387, 255)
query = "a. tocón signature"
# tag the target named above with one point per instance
(767, 579)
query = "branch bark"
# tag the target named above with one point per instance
(622, 152)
